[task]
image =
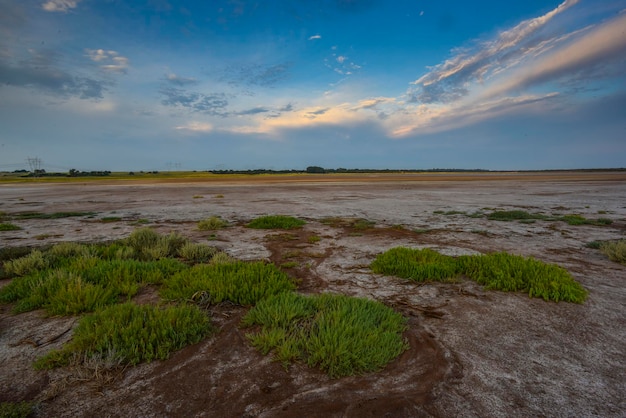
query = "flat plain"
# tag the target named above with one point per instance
(472, 352)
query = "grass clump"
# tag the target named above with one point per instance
(7, 226)
(507, 272)
(500, 271)
(150, 245)
(614, 250)
(211, 224)
(55, 215)
(414, 264)
(276, 222)
(581, 220)
(134, 333)
(16, 409)
(24, 265)
(239, 282)
(197, 253)
(515, 215)
(341, 335)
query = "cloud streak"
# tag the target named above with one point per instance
(447, 81)
(59, 5)
(109, 60)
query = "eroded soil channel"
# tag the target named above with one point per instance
(472, 352)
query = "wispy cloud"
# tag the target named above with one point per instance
(447, 82)
(512, 71)
(211, 104)
(109, 60)
(256, 75)
(42, 72)
(180, 81)
(196, 127)
(59, 5)
(311, 38)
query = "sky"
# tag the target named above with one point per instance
(204, 85)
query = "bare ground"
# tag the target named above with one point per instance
(472, 352)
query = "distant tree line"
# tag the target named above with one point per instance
(76, 173)
(321, 170)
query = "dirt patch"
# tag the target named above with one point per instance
(472, 352)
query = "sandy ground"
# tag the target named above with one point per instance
(473, 353)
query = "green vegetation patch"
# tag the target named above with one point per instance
(7, 226)
(55, 215)
(500, 271)
(581, 220)
(276, 222)
(16, 409)
(614, 250)
(132, 333)
(212, 223)
(515, 215)
(240, 282)
(414, 264)
(82, 284)
(341, 335)
(507, 272)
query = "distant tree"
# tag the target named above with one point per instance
(315, 170)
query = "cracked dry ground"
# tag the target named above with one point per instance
(472, 352)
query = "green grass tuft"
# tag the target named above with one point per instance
(276, 222)
(212, 223)
(16, 409)
(515, 215)
(614, 250)
(507, 272)
(135, 334)
(6, 226)
(197, 253)
(55, 215)
(500, 271)
(341, 335)
(240, 282)
(418, 265)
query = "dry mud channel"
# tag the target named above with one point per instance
(473, 353)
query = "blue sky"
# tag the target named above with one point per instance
(162, 84)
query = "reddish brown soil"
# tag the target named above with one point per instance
(472, 352)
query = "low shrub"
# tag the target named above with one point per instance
(276, 222)
(240, 282)
(134, 333)
(212, 223)
(341, 335)
(197, 253)
(24, 265)
(614, 250)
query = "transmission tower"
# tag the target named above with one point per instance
(34, 163)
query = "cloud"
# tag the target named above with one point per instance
(425, 119)
(59, 5)
(41, 72)
(447, 81)
(196, 127)
(253, 111)
(109, 60)
(315, 37)
(211, 104)
(256, 75)
(598, 47)
(180, 81)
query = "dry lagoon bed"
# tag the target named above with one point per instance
(473, 353)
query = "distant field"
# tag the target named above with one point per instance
(193, 176)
